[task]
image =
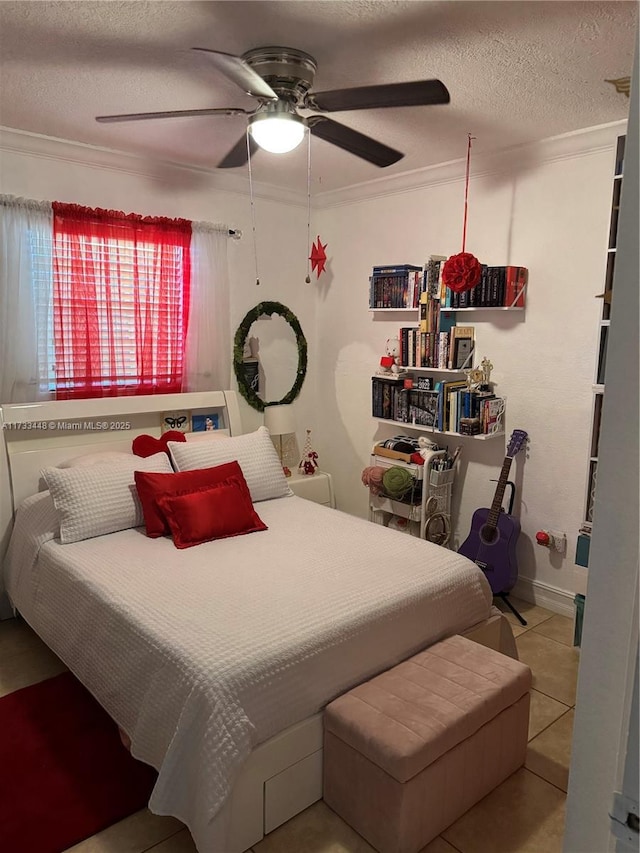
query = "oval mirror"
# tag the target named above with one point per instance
(269, 357)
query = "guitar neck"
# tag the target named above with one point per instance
(496, 506)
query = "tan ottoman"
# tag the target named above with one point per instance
(408, 752)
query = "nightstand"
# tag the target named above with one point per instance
(316, 487)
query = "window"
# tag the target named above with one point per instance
(115, 314)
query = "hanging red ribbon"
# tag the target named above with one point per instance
(463, 271)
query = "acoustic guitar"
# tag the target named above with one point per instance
(491, 542)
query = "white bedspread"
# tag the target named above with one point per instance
(201, 654)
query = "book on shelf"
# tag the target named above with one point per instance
(395, 286)
(462, 354)
(516, 286)
(423, 408)
(394, 269)
(456, 333)
(423, 315)
(432, 277)
(444, 403)
(499, 287)
(491, 414)
(443, 350)
(386, 398)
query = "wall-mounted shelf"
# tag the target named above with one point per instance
(421, 428)
(443, 310)
(431, 370)
(435, 343)
(487, 308)
(393, 310)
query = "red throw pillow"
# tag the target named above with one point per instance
(151, 487)
(147, 445)
(214, 513)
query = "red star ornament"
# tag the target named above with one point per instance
(318, 257)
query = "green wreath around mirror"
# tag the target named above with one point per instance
(240, 339)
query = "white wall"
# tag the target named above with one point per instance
(545, 207)
(41, 168)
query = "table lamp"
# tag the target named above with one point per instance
(280, 422)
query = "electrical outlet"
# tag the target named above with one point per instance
(558, 541)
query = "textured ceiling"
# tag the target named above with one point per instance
(516, 71)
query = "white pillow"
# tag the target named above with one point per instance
(98, 499)
(205, 435)
(256, 456)
(101, 458)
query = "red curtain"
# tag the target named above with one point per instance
(121, 286)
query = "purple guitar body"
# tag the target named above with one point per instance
(491, 542)
(496, 558)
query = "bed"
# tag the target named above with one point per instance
(217, 660)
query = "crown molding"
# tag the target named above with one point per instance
(161, 171)
(517, 159)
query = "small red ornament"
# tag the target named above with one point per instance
(461, 272)
(318, 257)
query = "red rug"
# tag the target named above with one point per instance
(64, 774)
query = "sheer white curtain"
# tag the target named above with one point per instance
(25, 321)
(208, 346)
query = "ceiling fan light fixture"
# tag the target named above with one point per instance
(278, 134)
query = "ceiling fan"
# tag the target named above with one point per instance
(280, 79)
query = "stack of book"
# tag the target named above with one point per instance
(450, 407)
(395, 286)
(499, 287)
(401, 286)
(428, 346)
(468, 411)
(386, 398)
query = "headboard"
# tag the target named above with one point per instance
(35, 435)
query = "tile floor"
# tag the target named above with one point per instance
(524, 815)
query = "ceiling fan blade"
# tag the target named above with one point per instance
(220, 111)
(238, 154)
(416, 94)
(353, 141)
(237, 70)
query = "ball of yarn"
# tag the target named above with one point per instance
(372, 477)
(397, 482)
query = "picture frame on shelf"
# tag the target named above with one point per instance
(207, 422)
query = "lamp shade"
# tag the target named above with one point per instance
(277, 133)
(279, 420)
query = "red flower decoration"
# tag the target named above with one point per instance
(461, 272)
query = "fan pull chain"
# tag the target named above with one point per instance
(253, 210)
(466, 192)
(308, 278)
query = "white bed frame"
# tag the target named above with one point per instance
(282, 776)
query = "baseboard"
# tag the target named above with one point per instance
(545, 595)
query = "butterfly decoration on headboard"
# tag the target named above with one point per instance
(175, 421)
